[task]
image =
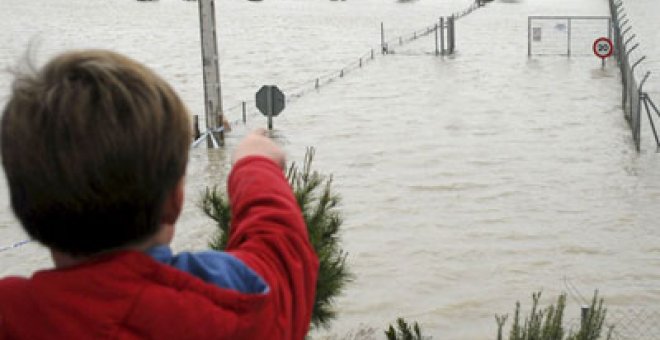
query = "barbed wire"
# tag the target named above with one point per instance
(15, 245)
(298, 90)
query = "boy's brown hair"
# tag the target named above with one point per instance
(92, 144)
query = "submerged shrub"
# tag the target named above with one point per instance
(319, 205)
(547, 324)
(404, 331)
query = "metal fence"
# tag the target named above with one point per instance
(634, 323)
(565, 35)
(445, 34)
(633, 98)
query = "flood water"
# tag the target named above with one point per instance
(468, 182)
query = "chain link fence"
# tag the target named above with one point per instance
(565, 35)
(633, 97)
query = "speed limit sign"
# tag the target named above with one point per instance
(603, 48)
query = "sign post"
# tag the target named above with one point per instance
(603, 49)
(270, 101)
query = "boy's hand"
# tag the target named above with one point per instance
(257, 143)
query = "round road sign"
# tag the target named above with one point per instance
(603, 48)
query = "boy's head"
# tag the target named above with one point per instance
(92, 145)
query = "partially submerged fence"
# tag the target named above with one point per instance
(444, 32)
(565, 35)
(627, 323)
(634, 99)
(445, 44)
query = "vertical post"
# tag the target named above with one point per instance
(196, 127)
(360, 62)
(442, 35)
(269, 106)
(436, 40)
(610, 29)
(341, 73)
(569, 37)
(210, 71)
(584, 314)
(372, 53)
(382, 38)
(244, 112)
(529, 36)
(316, 85)
(645, 99)
(451, 30)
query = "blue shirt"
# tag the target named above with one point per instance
(215, 267)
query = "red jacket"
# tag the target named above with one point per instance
(128, 295)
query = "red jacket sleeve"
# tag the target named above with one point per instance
(269, 235)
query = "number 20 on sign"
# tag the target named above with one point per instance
(603, 48)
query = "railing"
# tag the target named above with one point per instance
(633, 97)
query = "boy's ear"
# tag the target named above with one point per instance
(173, 204)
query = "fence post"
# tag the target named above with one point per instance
(360, 61)
(610, 34)
(529, 36)
(316, 85)
(451, 31)
(442, 35)
(436, 40)
(341, 73)
(382, 38)
(648, 114)
(372, 53)
(584, 314)
(243, 104)
(196, 127)
(569, 37)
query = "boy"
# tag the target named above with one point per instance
(94, 147)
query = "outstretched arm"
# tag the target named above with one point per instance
(269, 234)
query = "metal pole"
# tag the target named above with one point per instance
(569, 37)
(382, 38)
(529, 36)
(442, 35)
(269, 106)
(453, 34)
(196, 127)
(648, 113)
(244, 112)
(610, 33)
(584, 315)
(655, 108)
(436, 40)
